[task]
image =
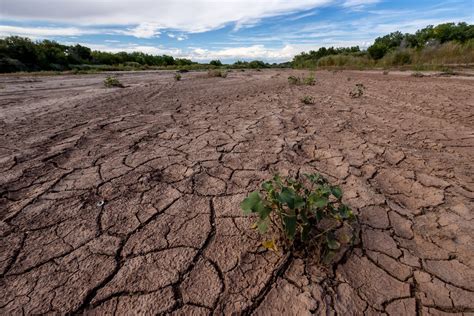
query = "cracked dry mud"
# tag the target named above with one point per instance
(127, 200)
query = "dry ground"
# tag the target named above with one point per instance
(127, 200)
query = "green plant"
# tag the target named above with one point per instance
(177, 77)
(216, 73)
(304, 212)
(385, 72)
(307, 99)
(358, 91)
(111, 82)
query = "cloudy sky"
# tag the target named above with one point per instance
(272, 30)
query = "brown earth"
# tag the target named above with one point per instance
(127, 200)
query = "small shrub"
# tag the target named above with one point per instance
(294, 80)
(111, 82)
(310, 80)
(358, 91)
(304, 213)
(385, 72)
(417, 74)
(177, 77)
(307, 99)
(216, 73)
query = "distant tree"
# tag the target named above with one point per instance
(79, 54)
(52, 55)
(256, 64)
(216, 62)
(21, 49)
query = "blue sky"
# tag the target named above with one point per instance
(229, 30)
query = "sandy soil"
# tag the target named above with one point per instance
(127, 200)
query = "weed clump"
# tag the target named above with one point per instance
(358, 91)
(307, 99)
(216, 73)
(309, 81)
(306, 213)
(112, 82)
(385, 72)
(177, 77)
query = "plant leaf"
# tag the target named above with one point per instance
(290, 226)
(321, 202)
(250, 203)
(263, 211)
(270, 245)
(299, 202)
(336, 191)
(267, 186)
(345, 211)
(262, 226)
(287, 196)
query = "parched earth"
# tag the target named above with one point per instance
(116, 201)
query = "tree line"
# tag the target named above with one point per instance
(430, 36)
(22, 54)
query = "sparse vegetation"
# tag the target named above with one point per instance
(294, 80)
(310, 80)
(307, 99)
(216, 73)
(385, 72)
(417, 74)
(358, 91)
(177, 77)
(112, 82)
(302, 213)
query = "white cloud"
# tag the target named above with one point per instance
(246, 52)
(146, 17)
(358, 4)
(144, 30)
(41, 32)
(230, 54)
(179, 37)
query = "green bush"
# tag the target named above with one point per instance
(177, 77)
(303, 213)
(216, 63)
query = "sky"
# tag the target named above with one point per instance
(229, 30)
